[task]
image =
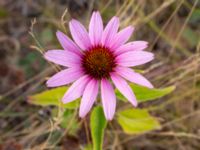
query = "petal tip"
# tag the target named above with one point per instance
(151, 86)
(64, 100)
(131, 28)
(109, 118)
(115, 17)
(81, 114)
(135, 104)
(94, 12)
(58, 32)
(73, 21)
(152, 56)
(48, 84)
(45, 55)
(98, 14)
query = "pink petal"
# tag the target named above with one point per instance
(134, 58)
(132, 76)
(67, 43)
(132, 46)
(64, 77)
(79, 34)
(124, 88)
(95, 28)
(76, 89)
(122, 37)
(62, 57)
(108, 99)
(89, 97)
(110, 31)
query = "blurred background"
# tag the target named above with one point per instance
(27, 29)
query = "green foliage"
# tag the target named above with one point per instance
(55, 135)
(195, 18)
(88, 147)
(109, 13)
(139, 71)
(145, 94)
(29, 61)
(52, 97)
(47, 35)
(70, 122)
(3, 13)
(97, 125)
(191, 37)
(135, 121)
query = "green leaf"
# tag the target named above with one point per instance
(52, 97)
(146, 94)
(191, 37)
(195, 18)
(97, 126)
(135, 121)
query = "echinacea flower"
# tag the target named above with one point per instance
(99, 57)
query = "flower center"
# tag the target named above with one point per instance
(98, 62)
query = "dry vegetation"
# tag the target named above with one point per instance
(172, 28)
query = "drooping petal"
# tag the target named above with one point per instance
(122, 37)
(89, 97)
(65, 77)
(108, 99)
(131, 46)
(67, 43)
(95, 28)
(124, 88)
(134, 58)
(132, 76)
(110, 31)
(62, 57)
(79, 34)
(76, 89)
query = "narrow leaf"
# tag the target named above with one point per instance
(135, 121)
(52, 97)
(97, 125)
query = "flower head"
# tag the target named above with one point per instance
(99, 57)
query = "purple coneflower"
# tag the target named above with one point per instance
(97, 58)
